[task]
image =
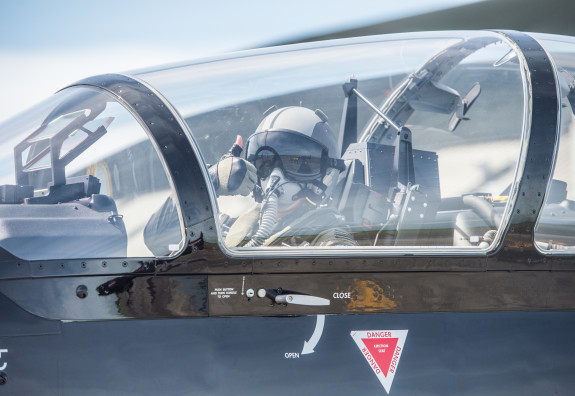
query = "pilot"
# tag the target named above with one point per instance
(292, 151)
(287, 160)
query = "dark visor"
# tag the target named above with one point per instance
(300, 157)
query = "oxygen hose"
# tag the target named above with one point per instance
(269, 211)
(268, 220)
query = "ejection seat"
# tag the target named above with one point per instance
(388, 194)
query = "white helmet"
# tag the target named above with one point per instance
(295, 139)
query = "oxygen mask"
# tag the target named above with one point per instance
(276, 183)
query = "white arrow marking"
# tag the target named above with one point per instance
(308, 346)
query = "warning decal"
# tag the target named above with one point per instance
(382, 349)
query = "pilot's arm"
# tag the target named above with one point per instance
(231, 175)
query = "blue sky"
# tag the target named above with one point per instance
(47, 45)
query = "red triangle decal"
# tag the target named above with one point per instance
(381, 350)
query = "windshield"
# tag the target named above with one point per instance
(80, 178)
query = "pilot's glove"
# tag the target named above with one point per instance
(233, 175)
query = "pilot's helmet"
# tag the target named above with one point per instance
(295, 139)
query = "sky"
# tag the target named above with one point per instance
(46, 45)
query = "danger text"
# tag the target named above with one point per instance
(378, 334)
(395, 359)
(371, 361)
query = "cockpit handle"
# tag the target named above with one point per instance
(301, 299)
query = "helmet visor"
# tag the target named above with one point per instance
(300, 157)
